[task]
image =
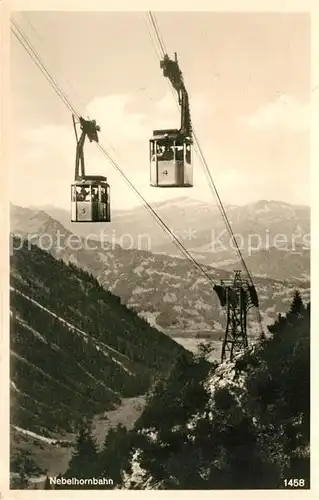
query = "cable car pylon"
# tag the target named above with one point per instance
(236, 296)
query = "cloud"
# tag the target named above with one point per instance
(119, 126)
(167, 112)
(116, 121)
(231, 178)
(199, 104)
(43, 166)
(111, 112)
(167, 104)
(48, 134)
(284, 112)
(44, 161)
(46, 140)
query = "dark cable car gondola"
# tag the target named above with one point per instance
(90, 194)
(171, 149)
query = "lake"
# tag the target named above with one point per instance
(191, 344)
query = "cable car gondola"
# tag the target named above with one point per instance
(90, 194)
(171, 149)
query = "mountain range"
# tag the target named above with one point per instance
(273, 236)
(167, 290)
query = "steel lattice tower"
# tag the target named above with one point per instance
(237, 296)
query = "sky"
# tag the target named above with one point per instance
(248, 79)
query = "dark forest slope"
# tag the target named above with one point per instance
(244, 426)
(238, 425)
(75, 349)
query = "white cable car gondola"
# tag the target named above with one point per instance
(171, 149)
(90, 194)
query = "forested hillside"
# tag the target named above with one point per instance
(75, 349)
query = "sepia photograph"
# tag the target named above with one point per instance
(159, 191)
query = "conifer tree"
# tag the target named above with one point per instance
(23, 481)
(115, 453)
(47, 485)
(204, 350)
(297, 306)
(84, 460)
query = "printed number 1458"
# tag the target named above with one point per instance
(295, 483)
